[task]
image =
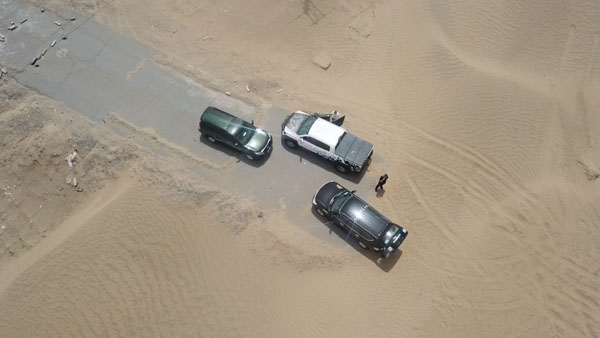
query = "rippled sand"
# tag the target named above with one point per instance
(486, 115)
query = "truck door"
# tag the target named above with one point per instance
(317, 146)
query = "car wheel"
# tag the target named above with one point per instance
(250, 157)
(291, 143)
(211, 139)
(341, 168)
(362, 245)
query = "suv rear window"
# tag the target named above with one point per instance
(217, 118)
(390, 233)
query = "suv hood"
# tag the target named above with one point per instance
(324, 195)
(259, 141)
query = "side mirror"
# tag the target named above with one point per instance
(252, 123)
(353, 191)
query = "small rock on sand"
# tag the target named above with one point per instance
(322, 60)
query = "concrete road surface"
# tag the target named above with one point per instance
(97, 71)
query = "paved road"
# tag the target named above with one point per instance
(97, 71)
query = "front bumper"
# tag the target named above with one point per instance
(266, 150)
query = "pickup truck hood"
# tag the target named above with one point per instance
(354, 149)
(292, 122)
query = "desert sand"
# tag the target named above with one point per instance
(486, 113)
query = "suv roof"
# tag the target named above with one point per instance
(216, 117)
(365, 216)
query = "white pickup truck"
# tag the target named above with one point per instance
(348, 152)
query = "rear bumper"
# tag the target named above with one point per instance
(358, 168)
(396, 242)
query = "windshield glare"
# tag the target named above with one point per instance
(245, 133)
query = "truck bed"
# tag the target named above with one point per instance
(354, 149)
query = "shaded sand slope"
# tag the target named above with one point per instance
(141, 266)
(17, 266)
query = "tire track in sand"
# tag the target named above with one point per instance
(520, 77)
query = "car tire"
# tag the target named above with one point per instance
(290, 143)
(211, 139)
(342, 168)
(362, 245)
(250, 157)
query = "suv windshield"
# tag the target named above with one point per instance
(244, 132)
(305, 126)
(339, 201)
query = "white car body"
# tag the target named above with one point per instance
(322, 138)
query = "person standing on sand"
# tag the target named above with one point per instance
(335, 115)
(381, 182)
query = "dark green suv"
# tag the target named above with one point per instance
(218, 125)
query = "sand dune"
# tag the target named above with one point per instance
(486, 116)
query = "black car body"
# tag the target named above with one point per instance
(372, 229)
(218, 125)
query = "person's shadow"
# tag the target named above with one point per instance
(380, 192)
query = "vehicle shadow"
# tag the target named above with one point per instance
(239, 156)
(384, 263)
(305, 155)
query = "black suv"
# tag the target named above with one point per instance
(218, 125)
(372, 229)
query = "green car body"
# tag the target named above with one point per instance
(221, 126)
